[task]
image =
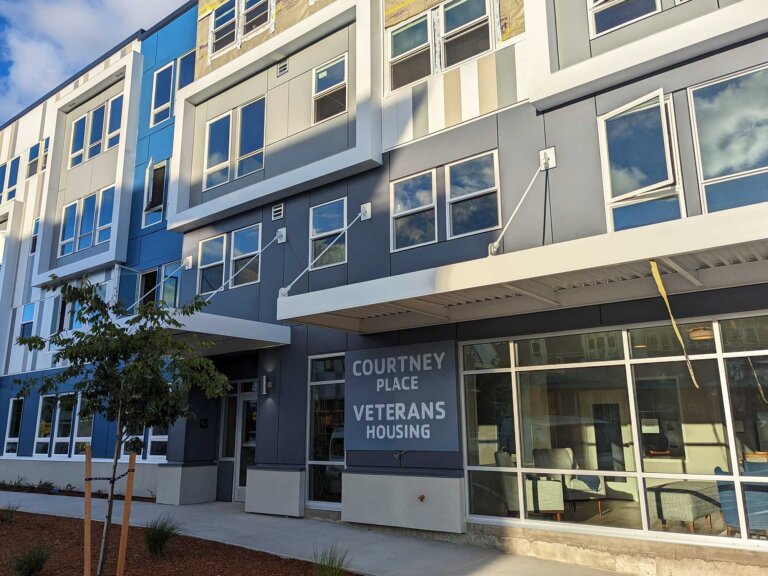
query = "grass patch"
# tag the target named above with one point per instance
(158, 533)
(31, 562)
(331, 561)
(7, 513)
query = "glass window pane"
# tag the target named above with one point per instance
(622, 13)
(741, 334)
(730, 116)
(637, 153)
(45, 424)
(224, 13)
(330, 75)
(328, 218)
(66, 414)
(105, 210)
(218, 142)
(3, 170)
(211, 279)
(691, 506)
(411, 69)
(682, 428)
(252, 128)
(250, 164)
(84, 427)
(245, 241)
(115, 114)
(645, 213)
(413, 193)
(88, 217)
(325, 369)
(13, 174)
(327, 422)
(748, 388)
(486, 356)
(497, 494)
(472, 176)
(570, 349)
(490, 420)
(755, 507)
(739, 192)
(212, 251)
(230, 427)
(187, 70)
(97, 125)
(68, 224)
(163, 87)
(409, 37)
(17, 408)
(414, 229)
(217, 178)
(577, 418)
(172, 280)
(336, 254)
(331, 104)
(245, 270)
(461, 12)
(325, 483)
(657, 341)
(78, 135)
(256, 15)
(474, 214)
(467, 44)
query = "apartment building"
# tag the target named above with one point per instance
(442, 245)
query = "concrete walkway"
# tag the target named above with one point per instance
(370, 552)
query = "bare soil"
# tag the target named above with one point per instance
(184, 556)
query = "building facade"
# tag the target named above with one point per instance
(442, 245)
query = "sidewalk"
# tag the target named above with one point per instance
(371, 552)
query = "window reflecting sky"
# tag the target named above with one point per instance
(218, 142)
(409, 37)
(461, 12)
(413, 193)
(328, 218)
(472, 176)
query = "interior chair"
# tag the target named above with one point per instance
(755, 499)
(575, 488)
(542, 496)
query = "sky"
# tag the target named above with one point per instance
(43, 42)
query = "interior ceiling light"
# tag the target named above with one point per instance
(701, 333)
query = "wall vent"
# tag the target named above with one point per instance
(277, 212)
(282, 67)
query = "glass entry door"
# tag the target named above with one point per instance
(246, 453)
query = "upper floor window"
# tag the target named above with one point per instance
(13, 430)
(729, 117)
(35, 162)
(327, 239)
(9, 179)
(246, 264)
(77, 150)
(211, 268)
(35, 234)
(147, 287)
(27, 320)
(171, 284)
(87, 222)
(410, 52)
(101, 127)
(96, 138)
(104, 222)
(115, 119)
(223, 26)
(94, 225)
(473, 195)
(639, 163)
(607, 15)
(185, 67)
(330, 89)
(251, 138)
(154, 194)
(68, 225)
(217, 151)
(413, 211)
(255, 15)
(237, 18)
(466, 30)
(162, 93)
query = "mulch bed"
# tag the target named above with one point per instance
(183, 556)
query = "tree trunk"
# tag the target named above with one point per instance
(110, 500)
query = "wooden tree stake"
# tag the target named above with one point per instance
(126, 516)
(87, 518)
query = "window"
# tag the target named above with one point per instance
(251, 139)
(728, 115)
(45, 414)
(466, 30)
(171, 284)
(77, 148)
(185, 67)
(96, 138)
(223, 27)
(211, 269)
(413, 211)
(638, 148)
(162, 93)
(255, 15)
(13, 431)
(115, 119)
(35, 234)
(46, 142)
(3, 172)
(13, 178)
(68, 225)
(34, 160)
(83, 430)
(325, 446)
(104, 224)
(330, 89)
(473, 195)
(607, 15)
(217, 151)
(147, 287)
(157, 442)
(154, 195)
(327, 223)
(87, 222)
(27, 320)
(410, 52)
(246, 261)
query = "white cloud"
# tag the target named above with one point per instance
(47, 41)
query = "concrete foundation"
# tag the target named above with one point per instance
(179, 485)
(277, 492)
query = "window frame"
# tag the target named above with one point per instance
(80, 439)
(35, 160)
(317, 95)
(450, 201)
(444, 36)
(335, 232)
(155, 438)
(40, 439)
(393, 217)
(237, 158)
(164, 269)
(13, 168)
(99, 228)
(34, 236)
(246, 257)
(212, 31)
(192, 53)
(201, 266)
(73, 240)
(596, 7)
(228, 163)
(8, 439)
(670, 187)
(82, 151)
(168, 105)
(92, 233)
(149, 185)
(430, 46)
(89, 129)
(241, 17)
(115, 133)
(22, 323)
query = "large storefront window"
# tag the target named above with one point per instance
(325, 458)
(609, 429)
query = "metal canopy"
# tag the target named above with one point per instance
(226, 335)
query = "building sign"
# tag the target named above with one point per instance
(403, 398)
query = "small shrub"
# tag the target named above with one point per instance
(331, 562)
(7, 512)
(158, 532)
(31, 562)
(21, 484)
(45, 486)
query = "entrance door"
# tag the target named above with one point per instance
(245, 455)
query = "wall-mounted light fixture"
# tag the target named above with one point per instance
(266, 385)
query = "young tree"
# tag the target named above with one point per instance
(130, 370)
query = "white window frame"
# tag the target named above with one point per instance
(262, 150)
(450, 201)
(393, 217)
(34, 314)
(167, 106)
(89, 127)
(317, 95)
(139, 455)
(80, 439)
(245, 257)
(164, 270)
(11, 191)
(201, 267)
(8, 438)
(97, 228)
(595, 7)
(672, 186)
(430, 46)
(241, 17)
(192, 52)
(335, 232)
(34, 236)
(489, 16)
(115, 133)
(149, 183)
(79, 224)
(40, 439)
(35, 160)
(82, 151)
(45, 145)
(212, 32)
(209, 169)
(73, 240)
(152, 438)
(319, 504)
